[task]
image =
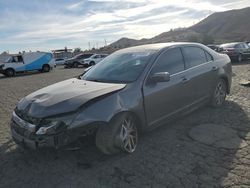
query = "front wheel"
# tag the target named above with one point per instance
(75, 65)
(119, 135)
(92, 63)
(219, 95)
(9, 72)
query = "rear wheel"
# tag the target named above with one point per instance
(10, 72)
(45, 68)
(119, 135)
(75, 64)
(239, 58)
(220, 92)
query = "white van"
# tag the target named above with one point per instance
(30, 61)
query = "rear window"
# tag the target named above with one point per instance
(194, 56)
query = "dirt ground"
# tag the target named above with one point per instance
(165, 157)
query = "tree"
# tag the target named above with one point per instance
(77, 50)
(207, 39)
(193, 38)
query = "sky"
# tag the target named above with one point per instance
(53, 24)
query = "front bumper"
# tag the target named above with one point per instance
(1, 70)
(24, 137)
(68, 64)
(24, 133)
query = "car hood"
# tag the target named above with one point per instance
(64, 97)
(70, 59)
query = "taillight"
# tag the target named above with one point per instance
(230, 50)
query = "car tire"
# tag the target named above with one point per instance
(46, 68)
(9, 72)
(92, 63)
(219, 94)
(239, 58)
(75, 65)
(120, 134)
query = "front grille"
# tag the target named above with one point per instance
(26, 117)
(22, 131)
(18, 129)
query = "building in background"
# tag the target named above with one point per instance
(4, 56)
(63, 53)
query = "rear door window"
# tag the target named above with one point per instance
(170, 61)
(209, 57)
(194, 56)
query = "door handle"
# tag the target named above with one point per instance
(214, 68)
(184, 80)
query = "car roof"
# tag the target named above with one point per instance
(232, 43)
(157, 46)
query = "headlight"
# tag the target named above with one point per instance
(52, 129)
(55, 125)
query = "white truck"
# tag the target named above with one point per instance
(30, 61)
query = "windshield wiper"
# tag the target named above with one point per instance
(96, 80)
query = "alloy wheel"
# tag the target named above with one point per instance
(220, 93)
(128, 135)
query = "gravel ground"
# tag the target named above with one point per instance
(166, 157)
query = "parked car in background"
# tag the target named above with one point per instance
(76, 60)
(25, 62)
(94, 59)
(213, 47)
(60, 61)
(237, 51)
(137, 88)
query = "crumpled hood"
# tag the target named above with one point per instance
(64, 97)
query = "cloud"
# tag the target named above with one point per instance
(45, 25)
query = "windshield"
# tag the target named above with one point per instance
(120, 67)
(8, 60)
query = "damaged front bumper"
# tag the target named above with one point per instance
(24, 134)
(24, 137)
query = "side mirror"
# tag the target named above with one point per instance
(160, 77)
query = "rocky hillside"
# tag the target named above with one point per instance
(233, 25)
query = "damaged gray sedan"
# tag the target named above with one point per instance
(130, 91)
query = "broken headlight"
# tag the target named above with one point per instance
(55, 125)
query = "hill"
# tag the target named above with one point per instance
(228, 26)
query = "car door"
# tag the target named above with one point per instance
(246, 50)
(201, 71)
(98, 58)
(17, 63)
(164, 99)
